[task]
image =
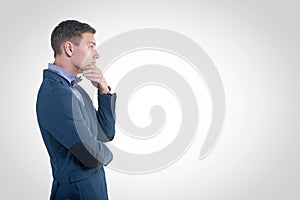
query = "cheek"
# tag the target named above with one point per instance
(80, 57)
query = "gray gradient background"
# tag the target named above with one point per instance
(253, 44)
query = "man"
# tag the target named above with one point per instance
(73, 131)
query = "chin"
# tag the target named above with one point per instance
(80, 69)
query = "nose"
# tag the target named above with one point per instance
(96, 54)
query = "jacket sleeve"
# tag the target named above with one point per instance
(106, 116)
(64, 120)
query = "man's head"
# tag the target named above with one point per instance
(69, 30)
(74, 41)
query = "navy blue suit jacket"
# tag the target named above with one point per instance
(74, 133)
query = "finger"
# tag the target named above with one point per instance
(95, 79)
(90, 66)
(93, 73)
(92, 70)
(93, 76)
(93, 67)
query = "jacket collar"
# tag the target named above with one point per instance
(53, 75)
(61, 74)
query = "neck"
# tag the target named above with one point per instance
(66, 65)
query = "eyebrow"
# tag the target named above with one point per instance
(94, 43)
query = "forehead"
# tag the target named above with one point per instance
(88, 38)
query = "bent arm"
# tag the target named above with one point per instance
(106, 116)
(65, 122)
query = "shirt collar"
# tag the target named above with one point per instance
(60, 71)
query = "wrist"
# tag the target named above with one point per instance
(104, 90)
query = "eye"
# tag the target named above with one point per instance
(92, 46)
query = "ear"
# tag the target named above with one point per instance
(69, 48)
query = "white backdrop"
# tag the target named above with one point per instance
(255, 47)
